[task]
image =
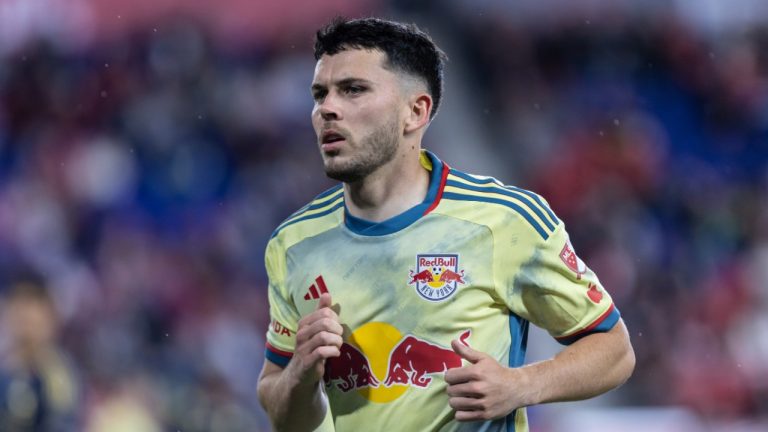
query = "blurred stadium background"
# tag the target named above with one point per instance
(148, 148)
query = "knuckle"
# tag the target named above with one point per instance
(301, 335)
(328, 323)
(326, 338)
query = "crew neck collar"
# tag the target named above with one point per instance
(438, 172)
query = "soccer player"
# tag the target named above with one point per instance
(401, 298)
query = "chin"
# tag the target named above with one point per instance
(343, 174)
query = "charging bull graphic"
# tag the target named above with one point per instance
(350, 370)
(411, 362)
(413, 359)
(450, 276)
(422, 276)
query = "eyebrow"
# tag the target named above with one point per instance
(342, 83)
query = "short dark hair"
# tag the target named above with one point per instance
(408, 49)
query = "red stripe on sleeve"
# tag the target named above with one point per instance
(596, 323)
(279, 351)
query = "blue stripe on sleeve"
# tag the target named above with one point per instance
(513, 206)
(303, 218)
(506, 192)
(530, 194)
(276, 358)
(603, 325)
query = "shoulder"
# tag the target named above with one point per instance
(502, 202)
(320, 214)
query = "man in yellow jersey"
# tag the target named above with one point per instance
(400, 299)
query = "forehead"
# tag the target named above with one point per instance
(352, 63)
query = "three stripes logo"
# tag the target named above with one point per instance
(316, 289)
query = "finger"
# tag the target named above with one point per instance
(464, 390)
(307, 345)
(325, 301)
(318, 315)
(326, 339)
(464, 403)
(460, 375)
(463, 416)
(326, 352)
(316, 359)
(327, 324)
(466, 352)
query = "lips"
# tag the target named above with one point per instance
(331, 142)
(331, 136)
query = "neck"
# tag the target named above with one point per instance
(390, 190)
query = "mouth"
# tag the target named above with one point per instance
(330, 140)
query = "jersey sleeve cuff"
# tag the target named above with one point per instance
(277, 356)
(602, 324)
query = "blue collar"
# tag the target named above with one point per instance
(438, 173)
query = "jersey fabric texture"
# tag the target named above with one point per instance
(476, 261)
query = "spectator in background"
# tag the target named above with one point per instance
(39, 390)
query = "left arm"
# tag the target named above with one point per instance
(590, 366)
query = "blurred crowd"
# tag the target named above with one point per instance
(141, 179)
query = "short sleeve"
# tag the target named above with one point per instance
(284, 317)
(560, 294)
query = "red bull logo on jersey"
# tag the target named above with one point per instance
(381, 364)
(414, 360)
(436, 276)
(349, 371)
(571, 260)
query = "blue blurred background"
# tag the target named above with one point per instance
(148, 148)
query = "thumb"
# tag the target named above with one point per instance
(467, 353)
(325, 301)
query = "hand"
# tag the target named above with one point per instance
(482, 390)
(318, 338)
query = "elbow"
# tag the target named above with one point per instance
(260, 393)
(626, 364)
(629, 364)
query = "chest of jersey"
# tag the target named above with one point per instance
(402, 298)
(435, 274)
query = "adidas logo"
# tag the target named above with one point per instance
(316, 289)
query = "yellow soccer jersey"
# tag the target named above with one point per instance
(476, 261)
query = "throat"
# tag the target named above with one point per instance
(377, 199)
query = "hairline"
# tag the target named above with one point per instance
(409, 79)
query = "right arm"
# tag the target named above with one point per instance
(292, 396)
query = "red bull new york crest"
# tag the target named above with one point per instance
(436, 276)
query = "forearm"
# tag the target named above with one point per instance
(290, 405)
(591, 366)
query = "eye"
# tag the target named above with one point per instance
(354, 90)
(318, 95)
(318, 92)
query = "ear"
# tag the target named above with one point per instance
(419, 107)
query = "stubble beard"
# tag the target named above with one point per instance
(374, 150)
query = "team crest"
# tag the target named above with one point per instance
(437, 276)
(571, 260)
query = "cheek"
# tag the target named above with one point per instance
(371, 113)
(317, 121)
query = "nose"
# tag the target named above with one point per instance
(328, 109)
